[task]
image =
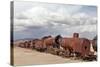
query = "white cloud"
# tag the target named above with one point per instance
(83, 28)
(36, 19)
(58, 21)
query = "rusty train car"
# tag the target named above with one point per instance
(74, 46)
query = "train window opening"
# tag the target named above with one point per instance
(85, 47)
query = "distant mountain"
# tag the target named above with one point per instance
(95, 38)
(24, 39)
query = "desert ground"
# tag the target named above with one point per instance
(23, 56)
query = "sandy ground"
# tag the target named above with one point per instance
(24, 56)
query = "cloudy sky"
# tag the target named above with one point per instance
(37, 19)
